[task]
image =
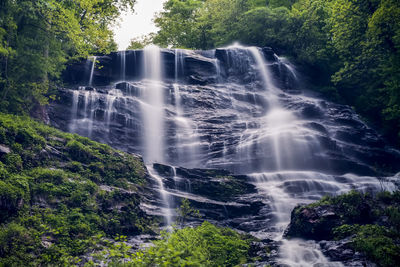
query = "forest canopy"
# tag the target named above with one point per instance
(350, 48)
(38, 38)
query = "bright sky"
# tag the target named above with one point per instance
(138, 23)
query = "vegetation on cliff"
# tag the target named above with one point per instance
(61, 194)
(65, 198)
(371, 222)
(351, 49)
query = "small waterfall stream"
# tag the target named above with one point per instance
(122, 56)
(279, 128)
(92, 71)
(230, 108)
(153, 106)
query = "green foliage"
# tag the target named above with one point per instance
(345, 230)
(185, 211)
(205, 245)
(378, 244)
(37, 39)
(180, 26)
(140, 43)
(374, 231)
(53, 208)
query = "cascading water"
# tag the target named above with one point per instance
(279, 127)
(153, 106)
(186, 137)
(166, 210)
(234, 108)
(92, 71)
(122, 56)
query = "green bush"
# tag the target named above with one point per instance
(378, 244)
(18, 245)
(79, 151)
(205, 245)
(13, 162)
(3, 171)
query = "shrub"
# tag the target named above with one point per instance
(13, 162)
(378, 244)
(205, 245)
(79, 151)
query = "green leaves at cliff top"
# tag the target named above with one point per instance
(37, 39)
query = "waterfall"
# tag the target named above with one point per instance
(279, 129)
(74, 110)
(92, 71)
(187, 141)
(179, 64)
(232, 108)
(265, 75)
(122, 56)
(217, 70)
(153, 106)
(165, 197)
(93, 101)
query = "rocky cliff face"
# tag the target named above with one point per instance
(212, 98)
(195, 114)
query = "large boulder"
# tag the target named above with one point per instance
(317, 221)
(313, 222)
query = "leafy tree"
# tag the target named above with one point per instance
(140, 42)
(37, 39)
(178, 24)
(185, 211)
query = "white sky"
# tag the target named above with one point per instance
(138, 23)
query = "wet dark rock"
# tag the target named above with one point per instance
(128, 89)
(313, 223)
(263, 252)
(269, 54)
(164, 170)
(219, 185)
(343, 251)
(220, 196)
(311, 111)
(197, 80)
(199, 68)
(318, 127)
